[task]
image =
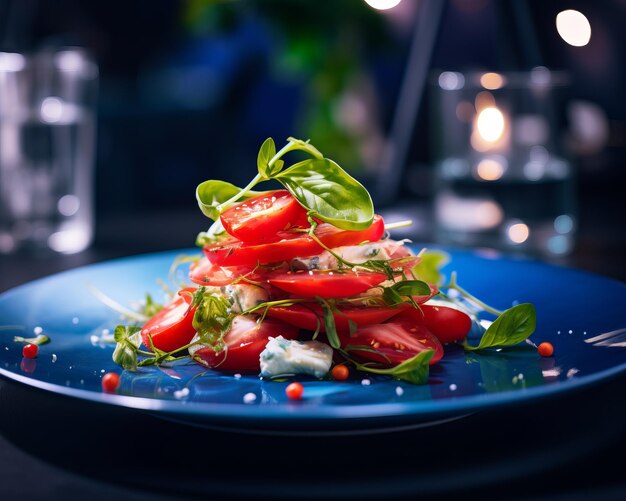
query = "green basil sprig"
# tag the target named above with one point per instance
(510, 328)
(321, 186)
(415, 370)
(128, 339)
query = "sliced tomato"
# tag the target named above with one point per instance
(311, 315)
(326, 284)
(260, 218)
(171, 328)
(393, 342)
(206, 273)
(447, 324)
(290, 244)
(245, 341)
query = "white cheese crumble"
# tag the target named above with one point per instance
(284, 356)
(245, 296)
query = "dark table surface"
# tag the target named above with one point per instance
(566, 448)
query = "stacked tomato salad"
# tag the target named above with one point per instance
(300, 280)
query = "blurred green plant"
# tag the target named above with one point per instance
(324, 46)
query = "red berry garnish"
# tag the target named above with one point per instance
(545, 349)
(294, 391)
(110, 382)
(30, 351)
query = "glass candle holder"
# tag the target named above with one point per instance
(502, 177)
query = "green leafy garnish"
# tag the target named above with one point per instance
(414, 370)
(510, 328)
(329, 323)
(213, 317)
(403, 291)
(330, 193)
(210, 194)
(128, 339)
(150, 308)
(428, 269)
(321, 186)
(38, 340)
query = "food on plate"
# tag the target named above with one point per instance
(307, 281)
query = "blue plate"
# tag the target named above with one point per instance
(581, 314)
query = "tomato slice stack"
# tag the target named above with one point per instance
(267, 232)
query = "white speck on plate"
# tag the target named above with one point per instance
(237, 376)
(572, 372)
(54, 357)
(365, 382)
(75, 320)
(520, 376)
(453, 387)
(248, 398)
(570, 331)
(399, 391)
(38, 330)
(103, 371)
(181, 393)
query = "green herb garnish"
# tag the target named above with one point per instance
(38, 340)
(321, 186)
(510, 328)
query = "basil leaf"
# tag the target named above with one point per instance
(512, 327)
(213, 192)
(395, 294)
(391, 297)
(428, 268)
(414, 370)
(266, 153)
(330, 193)
(412, 288)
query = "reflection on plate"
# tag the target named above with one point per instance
(580, 314)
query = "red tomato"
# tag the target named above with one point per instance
(447, 324)
(396, 340)
(171, 328)
(244, 343)
(290, 244)
(307, 316)
(260, 218)
(326, 284)
(205, 273)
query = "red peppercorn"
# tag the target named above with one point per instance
(294, 391)
(110, 382)
(30, 351)
(340, 372)
(545, 349)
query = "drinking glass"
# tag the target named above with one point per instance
(47, 148)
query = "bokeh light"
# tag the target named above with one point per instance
(573, 27)
(490, 124)
(382, 4)
(518, 233)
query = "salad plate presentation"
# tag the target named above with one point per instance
(300, 311)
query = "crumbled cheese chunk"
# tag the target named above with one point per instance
(284, 356)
